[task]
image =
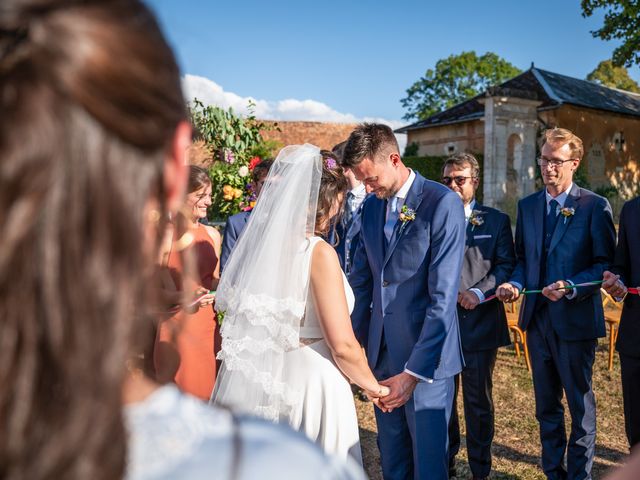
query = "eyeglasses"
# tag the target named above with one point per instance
(460, 180)
(555, 163)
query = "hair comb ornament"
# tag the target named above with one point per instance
(331, 163)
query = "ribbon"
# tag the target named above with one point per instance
(568, 287)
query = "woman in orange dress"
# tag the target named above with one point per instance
(188, 340)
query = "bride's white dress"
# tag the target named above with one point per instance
(326, 413)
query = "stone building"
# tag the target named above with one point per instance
(505, 122)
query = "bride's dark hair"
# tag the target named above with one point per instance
(332, 184)
(90, 100)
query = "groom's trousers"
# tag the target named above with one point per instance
(413, 439)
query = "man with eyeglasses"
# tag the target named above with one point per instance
(488, 261)
(564, 237)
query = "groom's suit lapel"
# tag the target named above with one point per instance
(413, 201)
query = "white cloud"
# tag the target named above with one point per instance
(210, 93)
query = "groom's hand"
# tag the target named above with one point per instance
(402, 386)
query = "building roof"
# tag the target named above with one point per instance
(552, 89)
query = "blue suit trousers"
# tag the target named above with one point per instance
(418, 430)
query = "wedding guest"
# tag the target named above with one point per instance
(564, 236)
(488, 261)
(92, 161)
(625, 270)
(188, 341)
(236, 223)
(348, 227)
(405, 278)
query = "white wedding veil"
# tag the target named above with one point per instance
(263, 289)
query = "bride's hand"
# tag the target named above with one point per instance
(376, 397)
(382, 391)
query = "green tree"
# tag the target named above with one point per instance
(621, 22)
(607, 74)
(453, 80)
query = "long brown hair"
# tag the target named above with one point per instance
(89, 100)
(332, 184)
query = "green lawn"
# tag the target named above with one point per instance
(516, 450)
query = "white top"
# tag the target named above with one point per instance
(310, 325)
(176, 436)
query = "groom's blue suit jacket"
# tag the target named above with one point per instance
(407, 290)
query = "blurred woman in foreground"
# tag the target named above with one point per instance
(92, 151)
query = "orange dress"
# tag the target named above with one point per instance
(187, 343)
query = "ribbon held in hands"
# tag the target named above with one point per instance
(567, 287)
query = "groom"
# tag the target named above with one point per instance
(405, 277)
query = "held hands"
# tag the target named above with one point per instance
(402, 386)
(555, 291)
(612, 285)
(507, 293)
(376, 397)
(468, 300)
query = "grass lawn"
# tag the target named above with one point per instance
(516, 446)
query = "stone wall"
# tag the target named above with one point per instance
(322, 134)
(611, 146)
(449, 139)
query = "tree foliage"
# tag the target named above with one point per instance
(453, 80)
(621, 22)
(607, 74)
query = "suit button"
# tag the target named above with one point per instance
(385, 283)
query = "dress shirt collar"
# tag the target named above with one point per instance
(469, 208)
(404, 190)
(560, 198)
(359, 191)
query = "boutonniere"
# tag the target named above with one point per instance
(567, 212)
(476, 219)
(406, 215)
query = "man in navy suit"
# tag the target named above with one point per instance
(564, 236)
(348, 229)
(405, 278)
(236, 223)
(488, 262)
(626, 271)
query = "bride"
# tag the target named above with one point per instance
(288, 349)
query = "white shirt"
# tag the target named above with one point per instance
(401, 195)
(560, 198)
(467, 210)
(359, 193)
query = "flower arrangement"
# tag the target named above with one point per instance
(476, 219)
(407, 214)
(567, 212)
(238, 147)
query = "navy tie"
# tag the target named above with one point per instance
(550, 223)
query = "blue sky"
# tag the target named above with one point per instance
(352, 60)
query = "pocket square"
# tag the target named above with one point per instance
(480, 237)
